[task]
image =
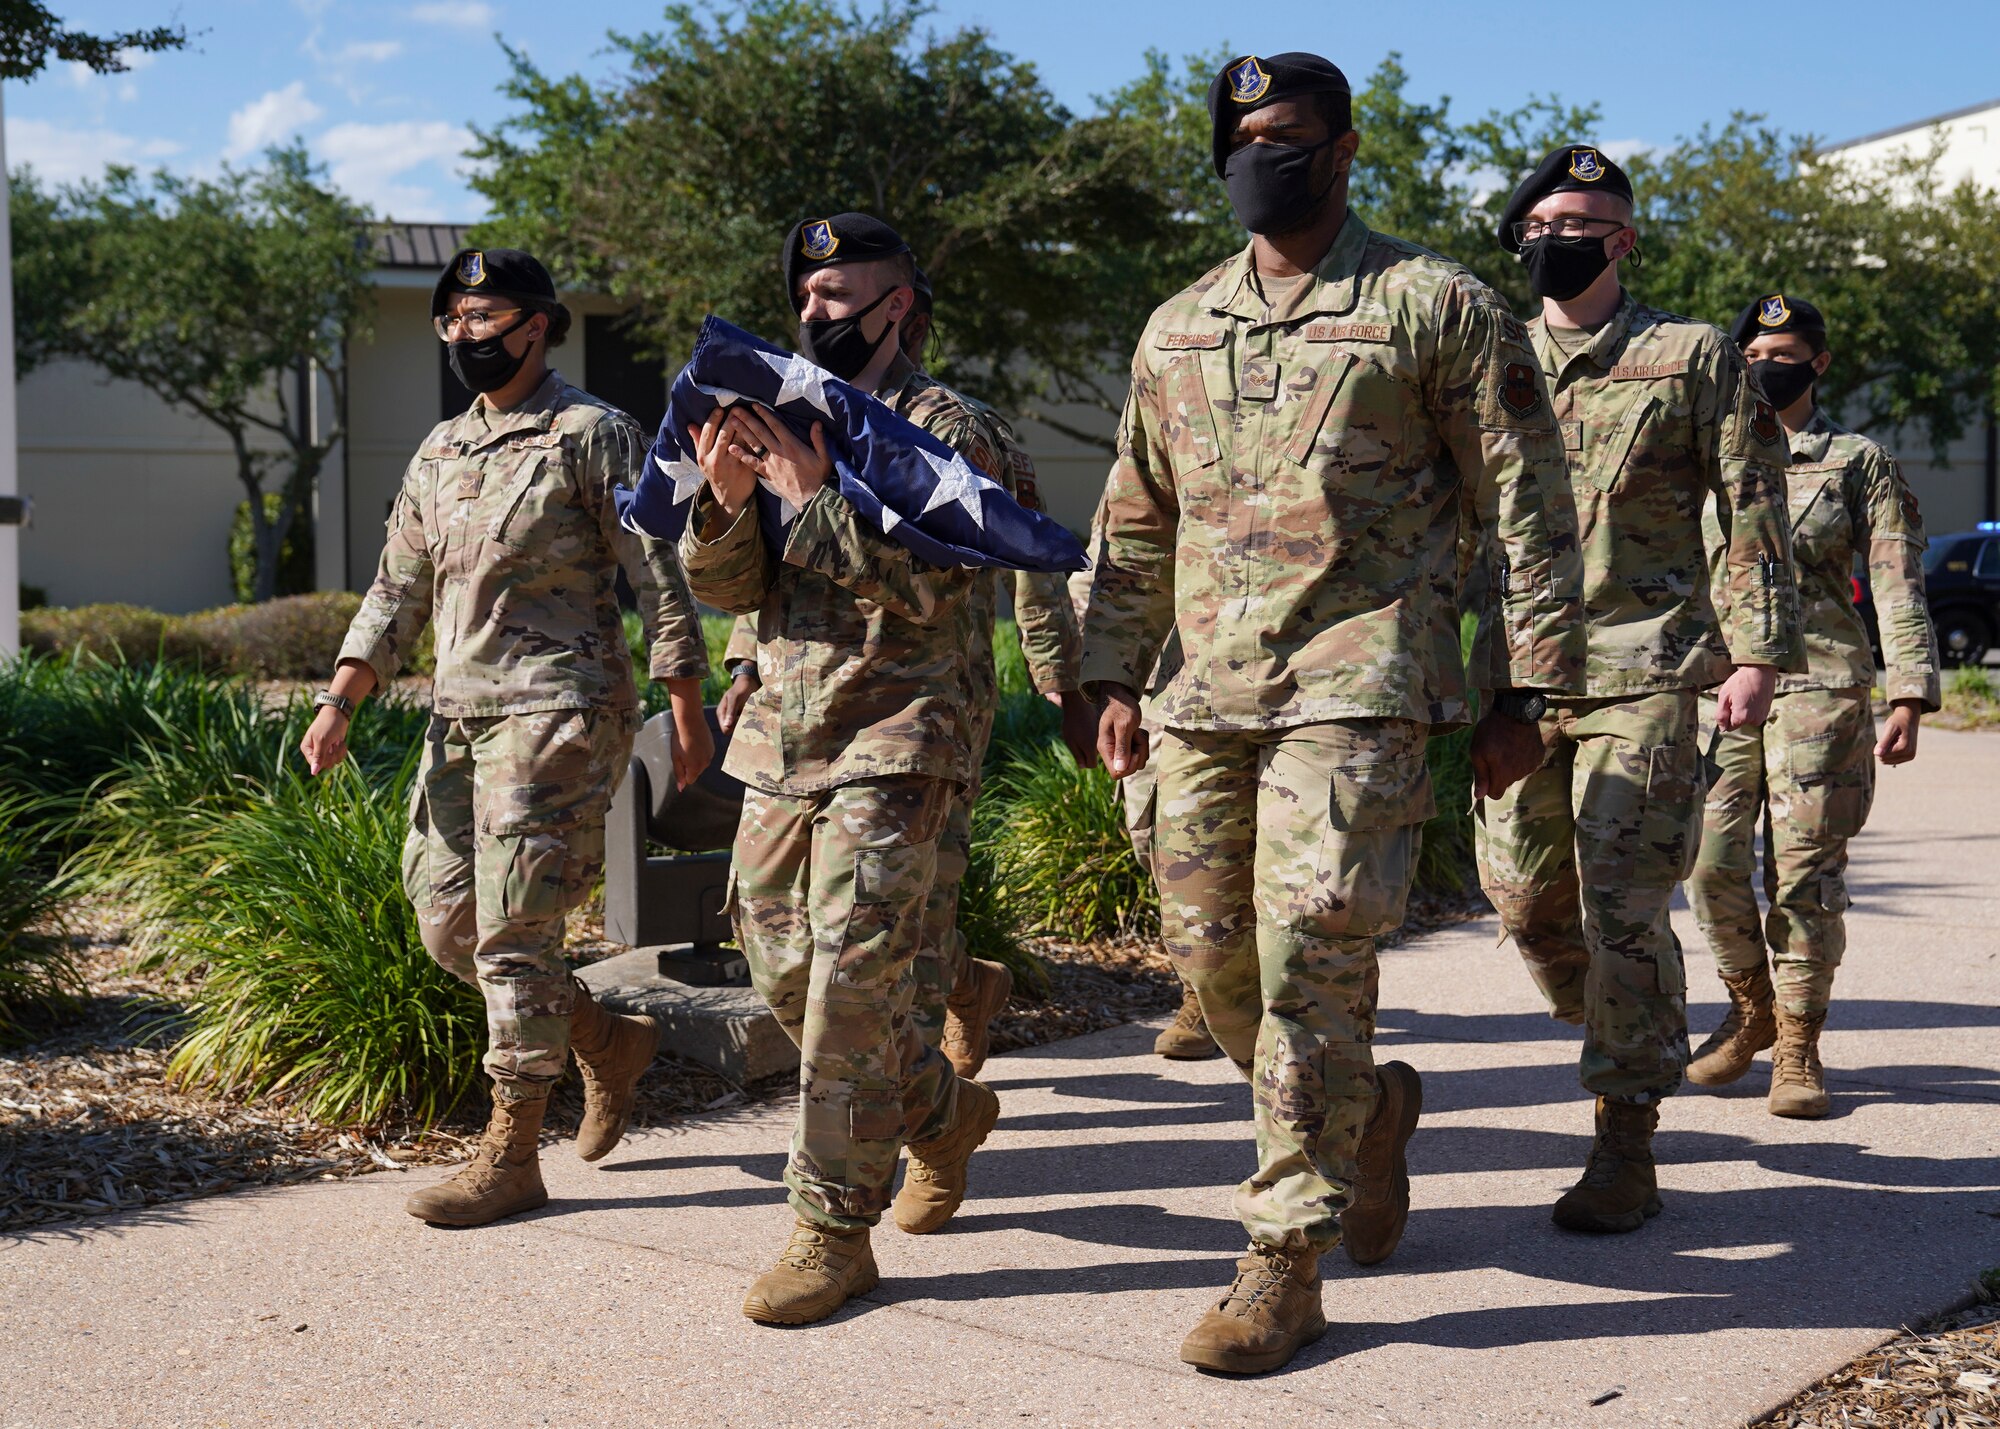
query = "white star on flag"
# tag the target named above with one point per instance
(786, 511)
(958, 480)
(685, 475)
(803, 380)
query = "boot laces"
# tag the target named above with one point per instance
(807, 1249)
(1188, 1019)
(1260, 1276)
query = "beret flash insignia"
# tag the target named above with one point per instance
(1518, 393)
(1772, 312)
(817, 240)
(1248, 81)
(1584, 165)
(472, 269)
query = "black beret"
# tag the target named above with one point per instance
(922, 283)
(844, 238)
(1776, 312)
(503, 272)
(1574, 168)
(1254, 81)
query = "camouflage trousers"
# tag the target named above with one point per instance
(943, 958)
(1281, 855)
(506, 837)
(1581, 858)
(1807, 776)
(827, 897)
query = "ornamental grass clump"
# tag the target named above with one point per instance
(311, 980)
(1063, 862)
(38, 975)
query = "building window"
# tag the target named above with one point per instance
(615, 371)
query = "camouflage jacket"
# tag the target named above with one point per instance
(1042, 611)
(1661, 420)
(504, 535)
(1848, 498)
(1290, 488)
(861, 647)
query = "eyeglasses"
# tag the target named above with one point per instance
(1569, 225)
(478, 324)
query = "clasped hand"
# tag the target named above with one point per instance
(742, 444)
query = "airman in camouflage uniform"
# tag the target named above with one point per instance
(1309, 426)
(1808, 774)
(504, 537)
(1582, 857)
(853, 749)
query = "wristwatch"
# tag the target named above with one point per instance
(1523, 706)
(339, 702)
(743, 669)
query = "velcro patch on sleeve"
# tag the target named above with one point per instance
(1348, 332)
(1183, 341)
(1640, 371)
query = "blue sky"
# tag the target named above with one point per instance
(384, 93)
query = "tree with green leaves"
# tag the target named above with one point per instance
(673, 187)
(227, 297)
(30, 37)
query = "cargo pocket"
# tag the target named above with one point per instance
(1670, 824)
(1385, 794)
(1835, 788)
(884, 919)
(1367, 856)
(538, 878)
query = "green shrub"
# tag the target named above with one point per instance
(1063, 862)
(295, 552)
(295, 637)
(1445, 864)
(38, 976)
(130, 633)
(988, 923)
(312, 981)
(1969, 683)
(715, 633)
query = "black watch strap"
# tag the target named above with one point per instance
(1525, 706)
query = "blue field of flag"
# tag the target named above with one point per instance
(912, 487)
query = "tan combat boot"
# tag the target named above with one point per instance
(821, 1270)
(934, 1186)
(1372, 1225)
(969, 1014)
(612, 1051)
(1186, 1038)
(1798, 1084)
(1618, 1190)
(1747, 1030)
(1270, 1313)
(503, 1178)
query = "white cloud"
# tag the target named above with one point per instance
(459, 14)
(1619, 150)
(368, 52)
(372, 162)
(136, 60)
(271, 120)
(61, 154)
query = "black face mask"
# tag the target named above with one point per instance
(486, 365)
(1783, 383)
(1561, 268)
(1270, 186)
(839, 345)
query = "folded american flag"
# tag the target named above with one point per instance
(915, 489)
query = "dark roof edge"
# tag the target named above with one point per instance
(1912, 128)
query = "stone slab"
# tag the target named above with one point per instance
(726, 1028)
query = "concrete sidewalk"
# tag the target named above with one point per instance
(1099, 1230)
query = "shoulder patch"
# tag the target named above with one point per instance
(1513, 330)
(1639, 371)
(1181, 341)
(1519, 392)
(1764, 423)
(1348, 332)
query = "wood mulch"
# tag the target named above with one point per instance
(1943, 1376)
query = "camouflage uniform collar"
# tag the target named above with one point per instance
(1813, 443)
(1332, 289)
(1603, 347)
(904, 377)
(481, 424)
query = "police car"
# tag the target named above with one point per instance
(1962, 586)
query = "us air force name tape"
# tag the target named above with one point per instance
(1779, 312)
(844, 238)
(1254, 81)
(1573, 168)
(503, 272)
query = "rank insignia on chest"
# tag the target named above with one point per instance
(472, 269)
(1518, 392)
(1585, 165)
(1764, 422)
(1248, 81)
(1772, 312)
(817, 240)
(469, 483)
